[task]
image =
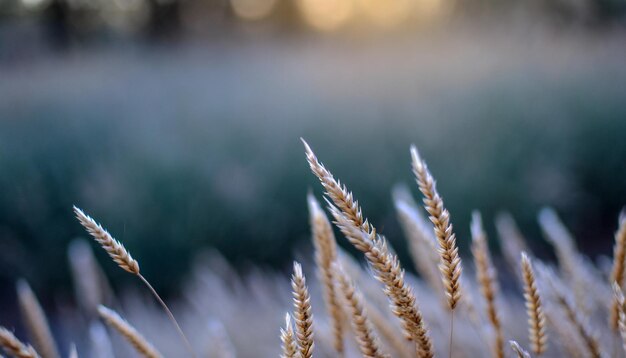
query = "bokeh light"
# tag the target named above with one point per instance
(428, 11)
(253, 9)
(386, 13)
(326, 15)
(33, 4)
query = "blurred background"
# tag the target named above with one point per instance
(176, 123)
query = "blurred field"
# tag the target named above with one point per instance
(197, 144)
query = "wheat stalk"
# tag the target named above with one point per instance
(363, 236)
(621, 312)
(139, 342)
(36, 321)
(619, 266)
(574, 317)
(388, 332)
(534, 308)
(14, 346)
(325, 256)
(450, 266)
(519, 351)
(568, 341)
(302, 312)
(289, 346)
(486, 277)
(388, 329)
(388, 271)
(120, 255)
(421, 242)
(366, 338)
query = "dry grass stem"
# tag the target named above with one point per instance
(387, 270)
(357, 318)
(568, 341)
(421, 241)
(302, 312)
(36, 321)
(141, 344)
(14, 347)
(367, 340)
(575, 318)
(120, 255)
(486, 277)
(450, 266)
(363, 236)
(325, 256)
(388, 332)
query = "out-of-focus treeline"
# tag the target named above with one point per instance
(66, 23)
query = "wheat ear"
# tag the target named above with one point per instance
(519, 351)
(388, 331)
(120, 255)
(36, 322)
(591, 342)
(387, 328)
(421, 241)
(289, 346)
(114, 248)
(337, 192)
(450, 266)
(14, 347)
(573, 316)
(568, 341)
(534, 308)
(387, 270)
(366, 338)
(619, 266)
(386, 266)
(302, 312)
(486, 277)
(325, 255)
(139, 342)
